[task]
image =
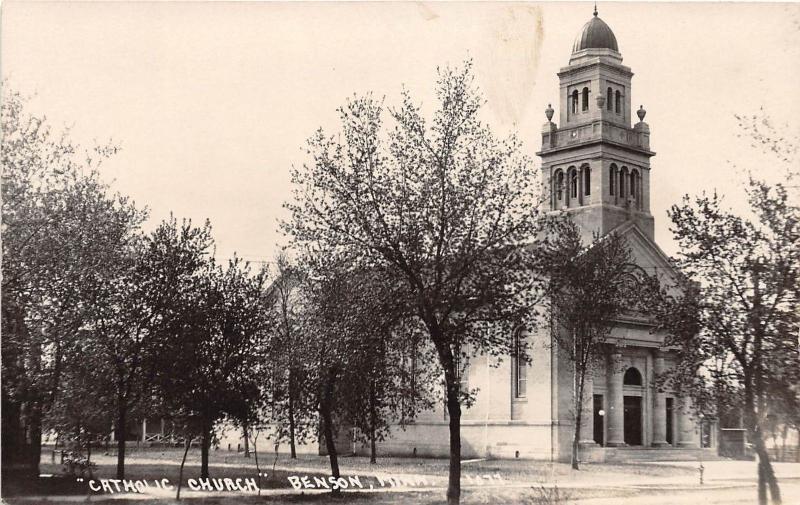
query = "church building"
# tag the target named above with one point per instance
(597, 168)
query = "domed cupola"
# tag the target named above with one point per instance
(595, 35)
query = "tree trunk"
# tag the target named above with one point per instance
(454, 412)
(183, 462)
(578, 406)
(766, 475)
(120, 436)
(293, 451)
(205, 445)
(246, 430)
(765, 471)
(35, 427)
(327, 426)
(575, 443)
(373, 419)
(258, 468)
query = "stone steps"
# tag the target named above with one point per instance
(634, 454)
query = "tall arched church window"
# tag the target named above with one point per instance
(622, 176)
(632, 377)
(610, 99)
(585, 100)
(573, 183)
(559, 185)
(462, 369)
(520, 366)
(575, 102)
(635, 183)
(587, 181)
(612, 179)
(617, 102)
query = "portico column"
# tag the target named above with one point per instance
(616, 429)
(686, 424)
(659, 406)
(587, 411)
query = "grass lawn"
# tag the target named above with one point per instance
(520, 481)
(535, 471)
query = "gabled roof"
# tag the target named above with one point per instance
(648, 256)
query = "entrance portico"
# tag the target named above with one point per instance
(628, 407)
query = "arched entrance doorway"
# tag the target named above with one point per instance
(632, 418)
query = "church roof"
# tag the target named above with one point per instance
(647, 254)
(595, 35)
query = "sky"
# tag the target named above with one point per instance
(211, 103)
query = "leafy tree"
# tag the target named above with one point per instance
(589, 288)
(442, 206)
(384, 383)
(217, 337)
(291, 406)
(132, 307)
(387, 384)
(339, 319)
(63, 229)
(325, 348)
(380, 387)
(80, 413)
(746, 270)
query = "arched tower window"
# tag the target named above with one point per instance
(622, 176)
(559, 185)
(575, 102)
(612, 179)
(573, 183)
(632, 377)
(635, 183)
(587, 181)
(617, 102)
(585, 100)
(610, 99)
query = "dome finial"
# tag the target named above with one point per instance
(595, 9)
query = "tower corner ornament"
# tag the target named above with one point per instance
(549, 112)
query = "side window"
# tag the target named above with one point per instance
(520, 366)
(462, 369)
(622, 176)
(587, 181)
(559, 185)
(612, 180)
(573, 183)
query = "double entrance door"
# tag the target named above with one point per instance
(632, 419)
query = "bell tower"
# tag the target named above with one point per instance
(594, 164)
